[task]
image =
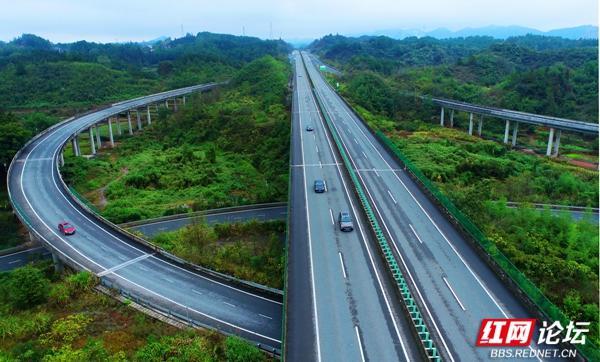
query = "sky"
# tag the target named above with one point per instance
(137, 20)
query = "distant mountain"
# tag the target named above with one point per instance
(154, 41)
(498, 32)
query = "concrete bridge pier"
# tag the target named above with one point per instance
(75, 145)
(92, 145)
(129, 123)
(148, 118)
(183, 100)
(166, 103)
(62, 159)
(452, 118)
(139, 119)
(514, 135)
(550, 137)
(118, 122)
(110, 133)
(175, 104)
(98, 140)
(480, 126)
(556, 143)
(442, 117)
(59, 267)
(470, 124)
(506, 129)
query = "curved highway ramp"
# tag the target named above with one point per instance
(41, 200)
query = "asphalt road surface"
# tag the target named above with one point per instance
(339, 307)
(151, 228)
(21, 258)
(455, 288)
(37, 194)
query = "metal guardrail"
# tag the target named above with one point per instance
(202, 213)
(497, 260)
(187, 319)
(418, 322)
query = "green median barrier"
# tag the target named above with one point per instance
(589, 350)
(422, 332)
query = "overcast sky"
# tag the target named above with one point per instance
(124, 20)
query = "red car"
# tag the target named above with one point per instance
(66, 228)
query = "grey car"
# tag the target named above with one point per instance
(345, 221)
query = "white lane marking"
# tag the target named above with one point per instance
(167, 279)
(123, 265)
(331, 214)
(196, 311)
(317, 147)
(197, 292)
(143, 268)
(325, 185)
(342, 263)
(454, 294)
(355, 140)
(364, 154)
(42, 221)
(310, 252)
(430, 219)
(362, 354)
(414, 232)
(320, 164)
(21, 252)
(403, 262)
(14, 261)
(229, 304)
(308, 165)
(376, 174)
(392, 197)
(367, 246)
(266, 316)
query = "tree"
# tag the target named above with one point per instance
(26, 287)
(12, 137)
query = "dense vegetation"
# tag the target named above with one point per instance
(51, 317)
(60, 79)
(384, 78)
(250, 251)
(35, 73)
(558, 253)
(537, 74)
(225, 148)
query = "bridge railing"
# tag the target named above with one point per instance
(549, 310)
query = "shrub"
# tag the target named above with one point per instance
(26, 287)
(238, 350)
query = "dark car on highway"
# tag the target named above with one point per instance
(345, 221)
(320, 186)
(309, 128)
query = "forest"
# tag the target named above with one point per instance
(537, 74)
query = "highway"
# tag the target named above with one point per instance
(37, 194)
(21, 258)
(339, 305)
(454, 286)
(218, 216)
